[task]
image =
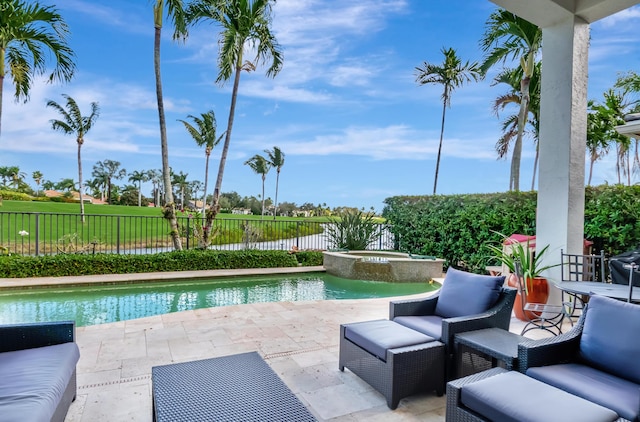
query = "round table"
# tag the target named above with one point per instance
(587, 288)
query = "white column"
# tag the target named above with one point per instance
(563, 129)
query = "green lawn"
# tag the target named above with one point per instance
(57, 227)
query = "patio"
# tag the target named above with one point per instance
(298, 340)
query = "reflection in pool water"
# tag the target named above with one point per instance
(110, 303)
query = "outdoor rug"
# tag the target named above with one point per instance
(233, 388)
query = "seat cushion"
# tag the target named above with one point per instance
(33, 381)
(376, 337)
(464, 293)
(610, 338)
(594, 385)
(514, 397)
(430, 325)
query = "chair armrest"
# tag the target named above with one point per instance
(27, 336)
(411, 307)
(552, 350)
(498, 316)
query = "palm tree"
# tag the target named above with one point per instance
(512, 78)
(204, 133)
(74, 123)
(6, 175)
(451, 75)
(48, 185)
(66, 185)
(28, 32)
(16, 176)
(276, 160)
(260, 166)
(37, 177)
(139, 177)
(509, 37)
(244, 23)
(180, 180)
(175, 13)
(598, 134)
(155, 177)
(107, 171)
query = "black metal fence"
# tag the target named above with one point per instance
(28, 233)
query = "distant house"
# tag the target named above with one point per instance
(75, 195)
(241, 211)
(196, 205)
(302, 213)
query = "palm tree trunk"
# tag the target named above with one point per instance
(444, 109)
(80, 182)
(170, 207)
(591, 161)
(1, 85)
(140, 193)
(211, 215)
(206, 184)
(517, 148)
(535, 168)
(275, 210)
(262, 214)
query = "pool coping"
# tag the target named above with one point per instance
(31, 282)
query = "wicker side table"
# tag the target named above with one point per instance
(476, 351)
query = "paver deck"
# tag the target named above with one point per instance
(299, 341)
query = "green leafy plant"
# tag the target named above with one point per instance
(531, 263)
(354, 230)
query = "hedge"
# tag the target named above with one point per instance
(457, 227)
(16, 266)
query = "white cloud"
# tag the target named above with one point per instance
(396, 142)
(315, 36)
(624, 17)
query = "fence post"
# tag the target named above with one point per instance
(118, 235)
(188, 229)
(298, 234)
(37, 233)
(380, 236)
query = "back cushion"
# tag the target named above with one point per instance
(610, 339)
(465, 293)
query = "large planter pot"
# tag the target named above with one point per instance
(537, 292)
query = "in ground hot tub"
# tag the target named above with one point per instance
(382, 266)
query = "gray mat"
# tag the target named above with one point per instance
(230, 388)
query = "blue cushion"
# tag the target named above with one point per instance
(430, 325)
(594, 385)
(376, 337)
(513, 397)
(33, 381)
(610, 339)
(465, 293)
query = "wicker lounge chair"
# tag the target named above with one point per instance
(462, 304)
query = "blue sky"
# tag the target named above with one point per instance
(345, 109)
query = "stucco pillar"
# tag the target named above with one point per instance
(563, 130)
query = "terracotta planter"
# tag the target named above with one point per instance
(537, 292)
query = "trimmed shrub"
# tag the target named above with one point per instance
(457, 227)
(16, 266)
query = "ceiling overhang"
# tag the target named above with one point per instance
(546, 13)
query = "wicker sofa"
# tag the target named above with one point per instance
(599, 359)
(37, 371)
(591, 373)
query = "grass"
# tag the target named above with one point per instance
(59, 228)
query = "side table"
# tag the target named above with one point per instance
(479, 350)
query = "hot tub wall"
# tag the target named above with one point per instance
(395, 267)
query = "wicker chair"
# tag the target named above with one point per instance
(445, 328)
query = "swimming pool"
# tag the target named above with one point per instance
(110, 303)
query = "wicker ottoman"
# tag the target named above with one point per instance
(395, 360)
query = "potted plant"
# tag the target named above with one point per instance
(537, 287)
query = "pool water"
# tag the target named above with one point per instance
(110, 303)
